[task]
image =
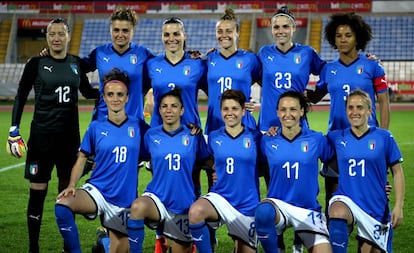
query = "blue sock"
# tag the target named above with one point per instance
(67, 227)
(389, 243)
(212, 233)
(265, 227)
(201, 237)
(158, 233)
(105, 243)
(338, 235)
(135, 235)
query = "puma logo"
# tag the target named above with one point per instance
(37, 217)
(48, 68)
(342, 245)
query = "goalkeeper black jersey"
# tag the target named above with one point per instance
(56, 84)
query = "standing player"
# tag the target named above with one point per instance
(176, 67)
(173, 152)
(229, 68)
(122, 52)
(54, 132)
(112, 187)
(364, 154)
(234, 196)
(292, 159)
(349, 33)
(286, 66)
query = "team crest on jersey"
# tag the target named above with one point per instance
(359, 69)
(185, 140)
(297, 59)
(247, 143)
(304, 146)
(131, 132)
(33, 169)
(239, 64)
(133, 58)
(371, 144)
(74, 68)
(186, 70)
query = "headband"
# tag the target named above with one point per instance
(285, 15)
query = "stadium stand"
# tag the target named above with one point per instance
(76, 37)
(245, 34)
(9, 78)
(316, 34)
(393, 43)
(5, 27)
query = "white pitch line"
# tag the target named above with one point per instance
(11, 167)
(405, 143)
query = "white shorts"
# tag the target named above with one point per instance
(368, 228)
(112, 217)
(239, 226)
(310, 225)
(175, 226)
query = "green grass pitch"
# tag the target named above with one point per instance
(14, 193)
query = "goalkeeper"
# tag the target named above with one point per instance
(54, 131)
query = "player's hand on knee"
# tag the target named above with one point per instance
(15, 145)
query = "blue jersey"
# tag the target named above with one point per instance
(188, 74)
(363, 163)
(105, 58)
(293, 166)
(235, 161)
(283, 72)
(116, 149)
(238, 72)
(339, 79)
(173, 156)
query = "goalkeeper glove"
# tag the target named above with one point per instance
(15, 144)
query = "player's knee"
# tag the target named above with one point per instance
(135, 209)
(63, 213)
(338, 210)
(265, 215)
(195, 214)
